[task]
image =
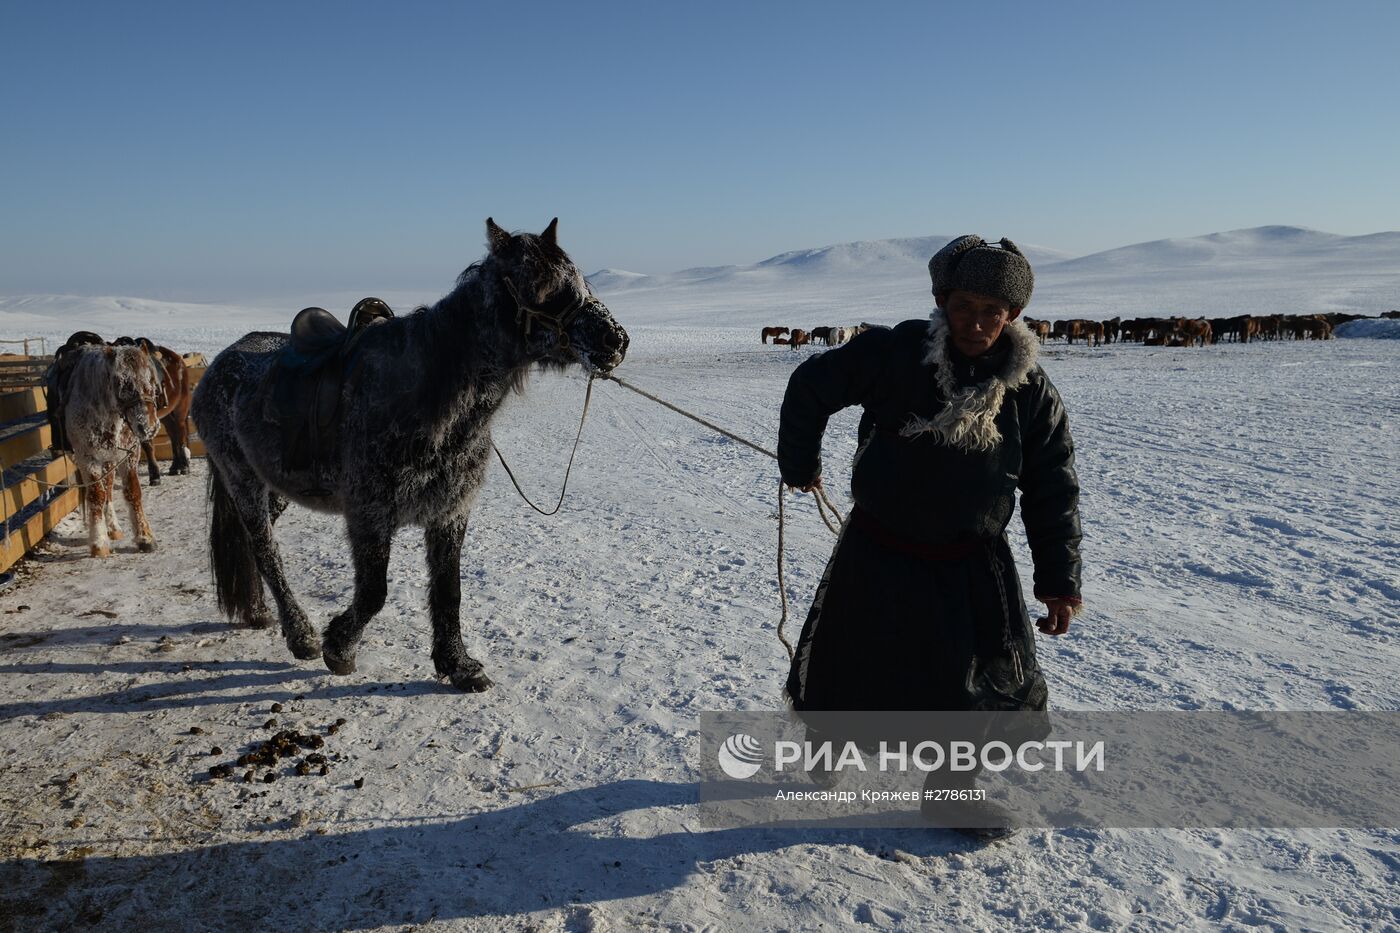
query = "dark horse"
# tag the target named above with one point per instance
(412, 445)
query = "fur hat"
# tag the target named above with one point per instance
(971, 264)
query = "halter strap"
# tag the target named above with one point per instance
(525, 315)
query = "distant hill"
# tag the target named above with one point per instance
(863, 258)
(1259, 270)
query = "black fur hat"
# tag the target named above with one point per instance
(971, 264)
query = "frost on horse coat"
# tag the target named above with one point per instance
(109, 409)
(416, 403)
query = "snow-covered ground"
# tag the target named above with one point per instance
(1241, 510)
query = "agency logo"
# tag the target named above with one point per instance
(741, 756)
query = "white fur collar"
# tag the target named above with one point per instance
(968, 418)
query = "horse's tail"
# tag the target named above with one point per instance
(231, 557)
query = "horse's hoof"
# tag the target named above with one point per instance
(98, 551)
(146, 545)
(306, 649)
(336, 662)
(336, 665)
(469, 677)
(472, 683)
(478, 682)
(155, 481)
(116, 534)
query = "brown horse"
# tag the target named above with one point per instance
(1090, 331)
(1040, 328)
(774, 332)
(172, 407)
(1195, 332)
(799, 338)
(1314, 326)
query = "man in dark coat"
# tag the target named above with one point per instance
(920, 606)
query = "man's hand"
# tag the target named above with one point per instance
(1059, 612)
(813, 486)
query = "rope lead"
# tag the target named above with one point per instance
(587, 397)
(818, 495)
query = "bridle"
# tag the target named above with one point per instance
(526, 314)
(525, 317)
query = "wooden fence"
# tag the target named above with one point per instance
(17, 371)
(38, 489)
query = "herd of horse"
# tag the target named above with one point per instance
(1192, 332)
(827, 336)
(106, 401)
(1150, 331)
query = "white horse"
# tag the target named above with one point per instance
(109, 408)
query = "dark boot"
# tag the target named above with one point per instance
(950, 801)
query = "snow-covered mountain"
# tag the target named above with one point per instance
(1242, 247)
(1260, 270)
(862, 259)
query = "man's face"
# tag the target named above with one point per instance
(976, 320)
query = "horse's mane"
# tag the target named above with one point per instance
(96, 376)
(466, 333)
(91, 378)
(457, 335)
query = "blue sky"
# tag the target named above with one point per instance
(201, 150)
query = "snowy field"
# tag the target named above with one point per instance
(1241, 510)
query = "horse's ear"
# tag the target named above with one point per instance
(551, 233)
(496, 238)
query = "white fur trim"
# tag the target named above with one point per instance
(968, 418)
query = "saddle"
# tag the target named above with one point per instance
(306, 380)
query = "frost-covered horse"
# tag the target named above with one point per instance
(412, 444)
(109, 410)
(173, 406)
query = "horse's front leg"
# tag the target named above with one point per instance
(95, 500)
(131, 490)
(450, 658)
(370, 541)
(109, 504)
